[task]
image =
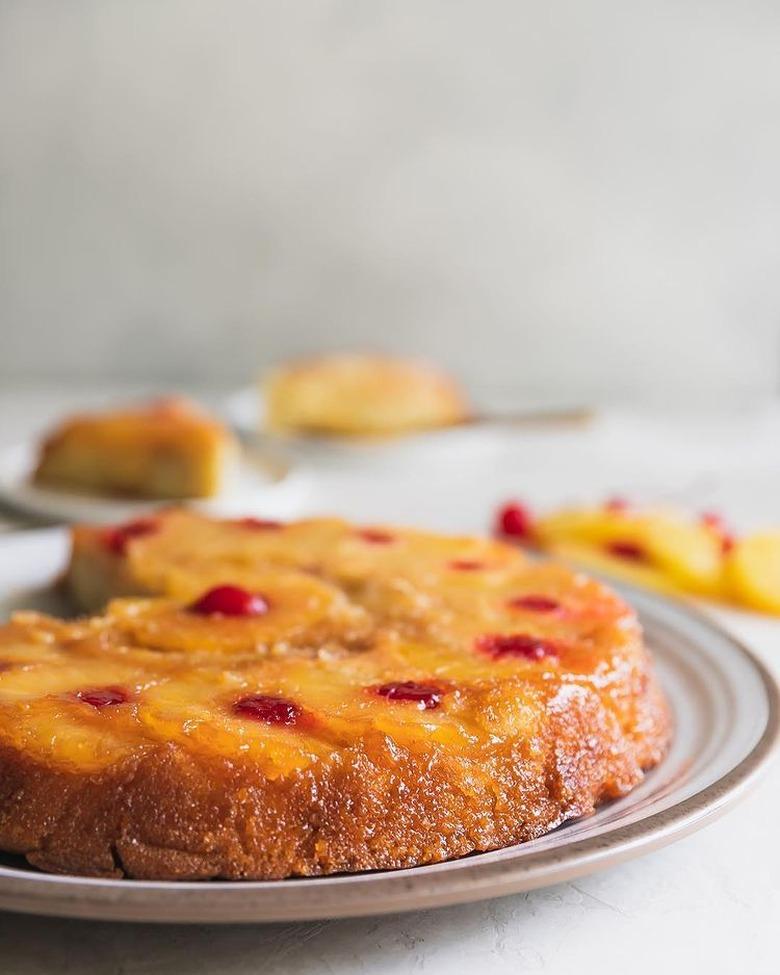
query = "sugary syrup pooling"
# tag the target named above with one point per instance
(230, 601)
(425, 696)
(101, 697)
(268, 709)
(502, 645)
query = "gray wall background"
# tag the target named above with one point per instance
(554, 198)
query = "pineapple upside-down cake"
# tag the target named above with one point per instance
(263, 700)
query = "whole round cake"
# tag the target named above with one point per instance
(259, 700)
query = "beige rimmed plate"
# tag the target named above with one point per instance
(726, 712)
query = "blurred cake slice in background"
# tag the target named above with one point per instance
(167, 449)
(353, 395)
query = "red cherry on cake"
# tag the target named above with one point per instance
(425, 696)
(616, 504)
(628, 550)
(101, 697)
(717, 523)
(713, 520)
(260, 524)
(501, 645)
(535, 603)
(375, 536)
(116, 539)
(514, 520)
(230, 601)
(268, 709)
(727, 542)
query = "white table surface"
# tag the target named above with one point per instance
(710, 902)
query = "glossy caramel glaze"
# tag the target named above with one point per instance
(394, 698)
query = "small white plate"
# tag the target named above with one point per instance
(726, 725)
(270, 486)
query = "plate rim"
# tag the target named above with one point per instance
(473, 879)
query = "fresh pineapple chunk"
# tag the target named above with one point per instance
(599, 560)
(657, 549)
(753, 571)
(688, 552)
(589, 526)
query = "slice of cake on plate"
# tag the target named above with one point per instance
(352, 395)
(168, 449)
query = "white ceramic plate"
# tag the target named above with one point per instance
(269, 485)
(726, 713)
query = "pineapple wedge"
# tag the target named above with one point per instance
(753, 571)
(658, 549)
(599, 560)
(688, 552)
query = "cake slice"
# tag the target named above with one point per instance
(168, 449)
(360, 395)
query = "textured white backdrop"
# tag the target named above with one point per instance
(576, 197)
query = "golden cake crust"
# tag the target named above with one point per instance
(167, 449)
(360, 395)
(530, 698)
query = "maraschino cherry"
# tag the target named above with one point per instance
(230, 601)
(514, 520)
(628, 550)
(101, 697)
(425, 696)
(116, 539)
(268, 709)
(375, 536)
(260, 524)
(535, 603)
(501, 645)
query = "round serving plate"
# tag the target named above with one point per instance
(262, 482)
(726, 724)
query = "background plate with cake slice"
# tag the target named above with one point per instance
(354, 408)
(116, 464)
